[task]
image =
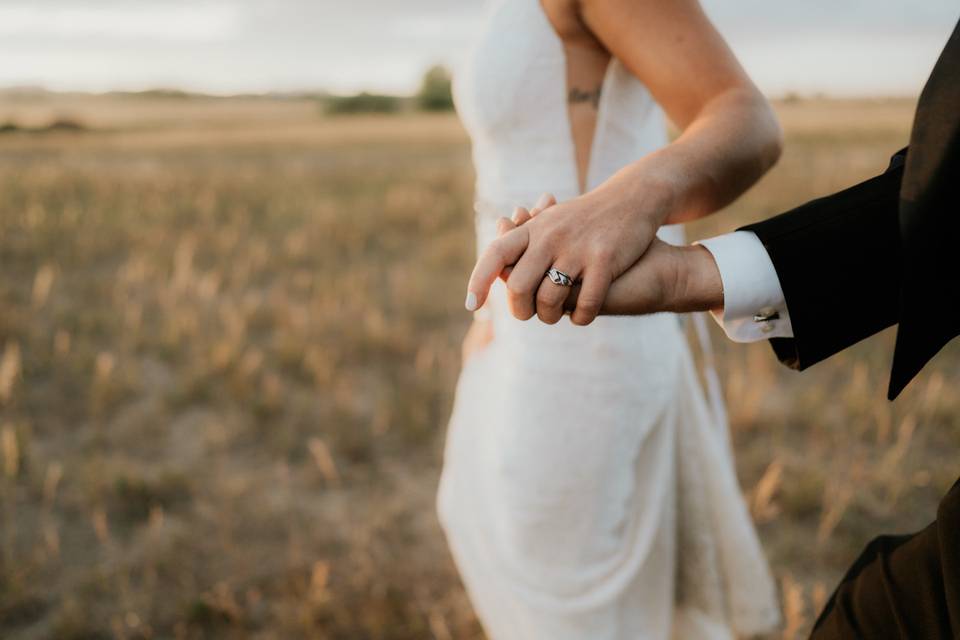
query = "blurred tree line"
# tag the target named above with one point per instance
(434, 95)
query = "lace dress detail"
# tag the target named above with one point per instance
(588, 490)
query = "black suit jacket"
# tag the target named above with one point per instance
(883, 252)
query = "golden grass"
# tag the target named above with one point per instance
(228, 340)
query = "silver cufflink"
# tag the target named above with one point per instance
(767, 314)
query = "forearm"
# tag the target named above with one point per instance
(726, 148)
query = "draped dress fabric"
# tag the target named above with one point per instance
(588, 491)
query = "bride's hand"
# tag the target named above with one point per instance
(593, 239)
(678, 279)
(480, 334)
(521, 215)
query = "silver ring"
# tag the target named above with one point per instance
(558, 277)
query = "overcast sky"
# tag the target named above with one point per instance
(836, 46)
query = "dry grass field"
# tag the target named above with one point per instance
(229, 334)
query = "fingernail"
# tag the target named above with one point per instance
(543, 201)
(471, 302)
(516, 214)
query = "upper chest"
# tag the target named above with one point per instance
(518, 64)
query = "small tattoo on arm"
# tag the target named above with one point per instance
(578, 96)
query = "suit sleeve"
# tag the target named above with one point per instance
(838, 262)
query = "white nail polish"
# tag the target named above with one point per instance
(543, 201)
(471, 302)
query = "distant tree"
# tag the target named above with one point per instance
(64, 124)
(435, 93)
(362, 103)
(792, 97)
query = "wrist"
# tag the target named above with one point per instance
(648, 196)
(699, 286)
(657, 198)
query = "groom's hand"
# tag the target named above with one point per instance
(679, 279)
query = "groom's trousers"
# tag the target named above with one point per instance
(902, 586)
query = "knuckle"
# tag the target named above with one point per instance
(545, 298)
(590, 308)
(516, 292)
(519, 311)
(589, 305)
(554, 235)
(581, 319)
(585, 314)
(601, 253)
(523, 314)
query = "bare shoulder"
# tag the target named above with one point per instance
(654, 14)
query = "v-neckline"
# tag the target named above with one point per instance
(582, 186)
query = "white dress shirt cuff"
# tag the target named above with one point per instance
(754, 308)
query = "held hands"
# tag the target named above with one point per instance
(664, 278)
(593, 239)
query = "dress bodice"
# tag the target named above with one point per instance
(510, 92)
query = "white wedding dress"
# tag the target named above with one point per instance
(588, 490)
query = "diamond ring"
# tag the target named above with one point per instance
(559, 278)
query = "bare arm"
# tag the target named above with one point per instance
(730, 138)
(730, 135)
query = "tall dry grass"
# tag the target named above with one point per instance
(228, 342)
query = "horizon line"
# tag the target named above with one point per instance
(306, 92)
